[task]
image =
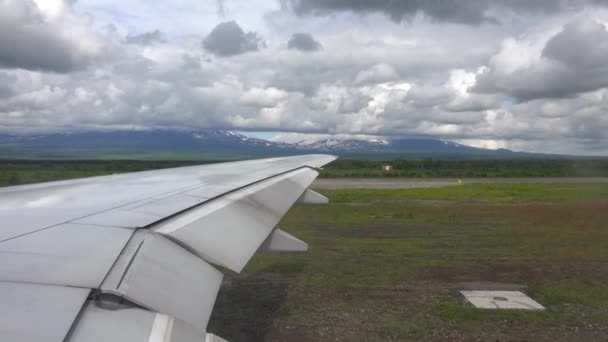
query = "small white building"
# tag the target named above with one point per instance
(387, 167)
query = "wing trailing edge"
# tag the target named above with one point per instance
(229, 230)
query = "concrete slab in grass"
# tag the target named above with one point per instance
(501, 300)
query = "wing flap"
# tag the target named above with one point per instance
(160, 275)
(229, 230)
(100, 324)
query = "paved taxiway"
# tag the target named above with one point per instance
(406, 183)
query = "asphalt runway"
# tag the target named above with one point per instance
(406, 183)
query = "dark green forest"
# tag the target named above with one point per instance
(15, 172)
(472, 168)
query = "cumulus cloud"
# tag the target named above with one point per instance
(581, 44)
(228, 39)
(570, 62)
(467, 12)
(146, 38)
(45, 36)
(462, 99)
(303, 42)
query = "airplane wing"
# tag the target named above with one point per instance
(131, 257)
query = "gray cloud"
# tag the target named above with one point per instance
(228, 39)
(6, 85)
(582, 44)
(303, 42)
(573, 61)
(29, 41)
(146, 38)
(581, 117)
(457, 11)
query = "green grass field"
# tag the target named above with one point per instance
(478, 192)
(386, 265)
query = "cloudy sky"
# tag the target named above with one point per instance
(520, 74)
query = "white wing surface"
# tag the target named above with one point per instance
(131, 257)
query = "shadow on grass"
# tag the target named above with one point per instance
(247, 305)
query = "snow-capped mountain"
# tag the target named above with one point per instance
(349, 145)
(199, 142)
(390, 146)
(223, 143)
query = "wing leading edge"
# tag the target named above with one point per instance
(141, 268)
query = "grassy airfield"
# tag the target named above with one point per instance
(386, 265)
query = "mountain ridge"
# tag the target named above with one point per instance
(231, 143)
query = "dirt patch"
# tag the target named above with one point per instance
(247, 305)
(353, 314)
(284, 331)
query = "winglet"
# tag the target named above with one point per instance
(312, 197)
(281, 241)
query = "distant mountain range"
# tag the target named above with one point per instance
(224, 144)
(399, 145)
